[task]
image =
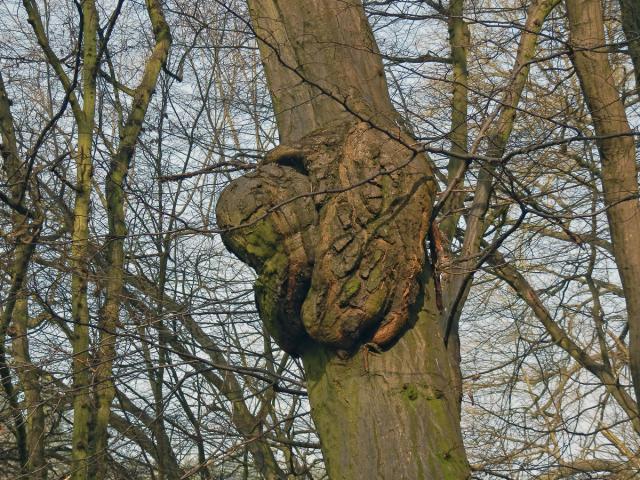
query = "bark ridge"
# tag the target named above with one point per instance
(335, 227)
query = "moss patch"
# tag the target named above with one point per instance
(410, 391)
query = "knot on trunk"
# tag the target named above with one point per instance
(335, 228)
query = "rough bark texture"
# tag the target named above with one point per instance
(278, 244)
(393, 414)
(345, 267)
(320, 56)
(617, 155)
(360, 244)
(334, 222)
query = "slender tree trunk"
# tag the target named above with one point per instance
(459, 39)
(30, 380)
(82, 406)
(617, 155)
(499, 128)
(167, 465)
(80, 311)
(20, 263)
(343, 277)
(105, 389)
(30, 437)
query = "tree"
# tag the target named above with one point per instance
(480, 108)
(618, 157)
(631, 26)
(322, 284)
(304, 294)
(89, 429)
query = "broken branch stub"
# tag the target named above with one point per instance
(339, 262)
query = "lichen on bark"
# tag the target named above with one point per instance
(276, 242)
(334, 226)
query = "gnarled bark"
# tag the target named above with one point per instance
(334, 222)
(339, 262)
(277, 244)
(345, 267)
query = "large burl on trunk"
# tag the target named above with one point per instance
(335, 227)
(334, 221)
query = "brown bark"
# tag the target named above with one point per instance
(392, 414)
(365, 242)
(617, 156)
(334, 222)
(321, 61)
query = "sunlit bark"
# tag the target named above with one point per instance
(355, 271)
(617, 155)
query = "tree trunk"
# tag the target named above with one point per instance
(459, 40)
(392, 414)
(82, 405)
(456, 283)
(15, 316)
(343, 280)
(617, 155)
(321, 60)
(114, 189)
